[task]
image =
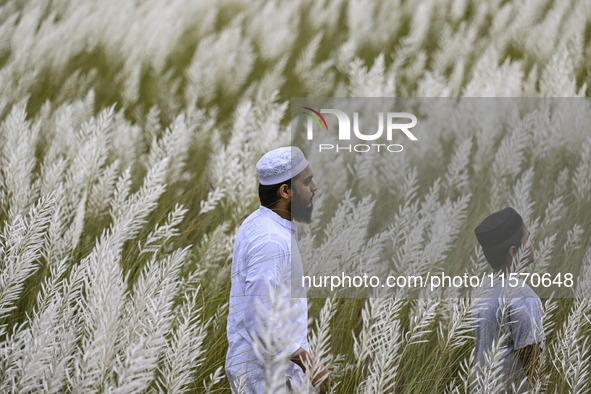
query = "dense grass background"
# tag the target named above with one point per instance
(89, 90)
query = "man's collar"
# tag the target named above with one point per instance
(288, 224)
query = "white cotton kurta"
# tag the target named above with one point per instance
(265, 244)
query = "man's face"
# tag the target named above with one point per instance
(303, 190)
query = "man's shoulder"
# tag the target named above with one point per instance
(258, 227)
(251, 219)
(502, 295)
(524, 293)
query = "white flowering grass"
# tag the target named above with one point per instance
(129, 134)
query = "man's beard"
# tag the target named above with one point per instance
(300, 212)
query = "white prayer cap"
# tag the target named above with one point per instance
(280, 165)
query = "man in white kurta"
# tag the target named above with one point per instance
(266, 257)
(262, 248)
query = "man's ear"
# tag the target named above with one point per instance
(284, 191)
(513, 251)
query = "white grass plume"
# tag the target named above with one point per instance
(183, 351)
(162, 233)
(455, 329)
(275, 330)
(319, 340)
(490, 377)
(149, 316)
(18, 158)
(571, 348)
(22, 241)
(381, 340)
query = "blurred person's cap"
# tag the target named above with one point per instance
(498, 228)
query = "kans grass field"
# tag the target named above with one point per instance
(129, 133)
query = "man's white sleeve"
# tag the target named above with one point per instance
(265, 264)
